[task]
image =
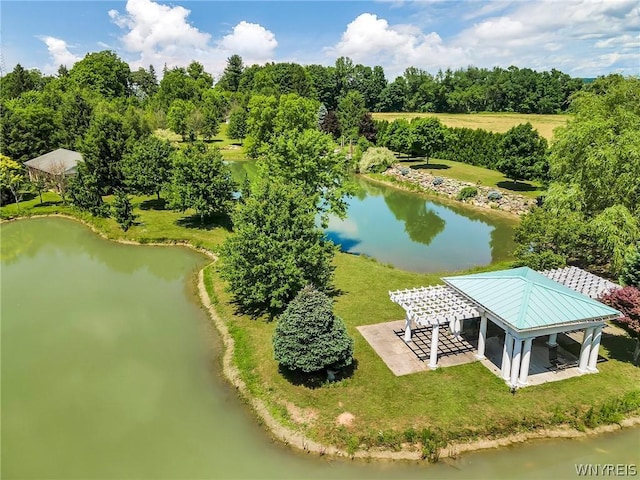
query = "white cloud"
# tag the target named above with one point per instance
(162, 34)
(250, 40)
(59, 53)
(371, 40)
(506, 33)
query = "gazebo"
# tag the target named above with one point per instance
(55, 163)
(524, 303)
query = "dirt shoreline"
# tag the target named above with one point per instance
(297, 439)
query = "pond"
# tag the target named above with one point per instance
(110, 370)
(412, 233)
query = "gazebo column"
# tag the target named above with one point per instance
(407, 329)
(526, 359)
(595, 347)
(433, 354)
(553, 340)
(585, 350)
(482, 338)
(506, 356)
(515, 362)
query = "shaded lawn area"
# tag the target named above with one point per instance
(473, 174)
(153, 224)
(230, 149)
(465, 401)
(490, 121)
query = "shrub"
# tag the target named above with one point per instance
(376, 160)
(309, 337)
(631, 270)
(437, 181)
(494, 196)
(545, 260)
(467, 192)
(123, 210)
(627, 301)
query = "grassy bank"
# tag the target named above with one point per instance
(493, 122)
(458, 403)
(476, 175)
(455, 403)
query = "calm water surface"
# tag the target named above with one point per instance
(412, 233)
(109, 371)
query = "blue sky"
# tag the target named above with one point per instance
(581, 37)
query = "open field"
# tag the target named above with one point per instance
(493, 122)
(477, 175)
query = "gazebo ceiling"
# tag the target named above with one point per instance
(528, 300)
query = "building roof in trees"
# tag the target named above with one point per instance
(56, 162)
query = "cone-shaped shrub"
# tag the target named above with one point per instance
(309, 337)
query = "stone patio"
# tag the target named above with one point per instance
(406, 358)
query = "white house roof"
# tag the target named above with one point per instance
(56, 162)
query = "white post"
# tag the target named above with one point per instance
(407, 329)
(506, 355)
(482, 338)
(595, 346)
(433, 354)
(553, 340)
(585, 350)
(515, 362)
(526, 358)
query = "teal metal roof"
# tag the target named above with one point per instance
(527, 300)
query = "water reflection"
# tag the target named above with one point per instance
(412, 233)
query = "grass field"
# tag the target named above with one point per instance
(493, 122)
(477, 175)
(459, 402)
(231, 149)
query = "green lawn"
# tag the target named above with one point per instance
(465, 401)
(493, 122)
(477, 175)
(153, 224)
(461, 402)
(231, 149)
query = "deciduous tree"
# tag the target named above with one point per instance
(201, 180)
(276, 249)
(309, 160)
(147, 169)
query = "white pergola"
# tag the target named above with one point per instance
(434, 306)
(522, 302)
(581, 281)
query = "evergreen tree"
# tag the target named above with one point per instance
(230, 79)
(123, 210)
(309, 337)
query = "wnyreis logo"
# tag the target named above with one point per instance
(606, 469)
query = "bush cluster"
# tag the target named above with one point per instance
(467, 192)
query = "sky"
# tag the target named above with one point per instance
(584, 38)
